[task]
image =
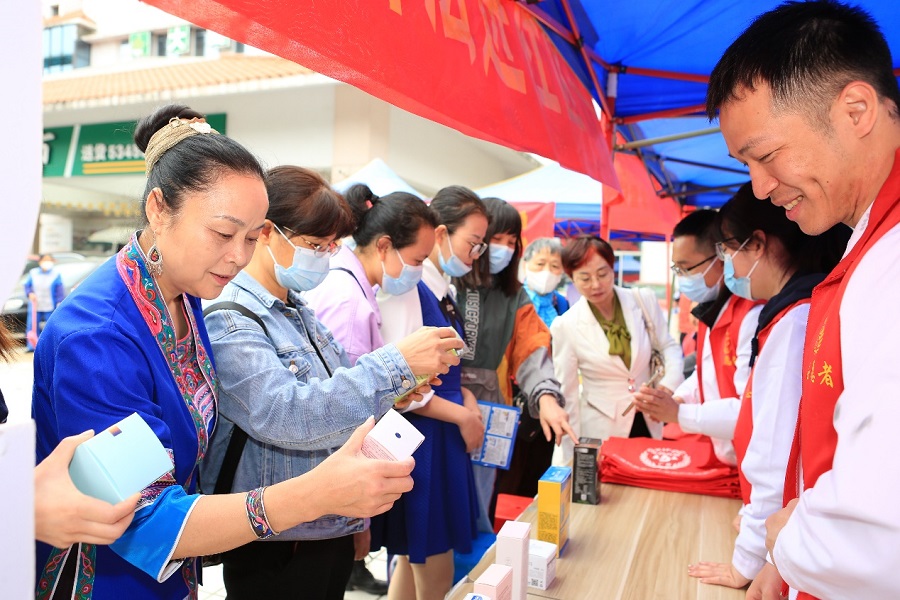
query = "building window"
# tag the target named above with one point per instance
(161, 44)
(199, 42)
(63, 50)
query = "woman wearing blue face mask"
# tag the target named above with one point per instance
(438, 518)
(507, 335)
(394, 236)
(292, 390)
(767, 257)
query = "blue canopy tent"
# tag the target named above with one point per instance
(647, 63)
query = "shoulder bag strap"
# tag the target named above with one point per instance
(648, 323)
(352, 274)
(238, 440)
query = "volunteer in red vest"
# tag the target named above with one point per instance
(708, 401)
(808, 101)
(767, 257)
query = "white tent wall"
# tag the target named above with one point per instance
(20, 175)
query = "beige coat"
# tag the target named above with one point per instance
(580, 348)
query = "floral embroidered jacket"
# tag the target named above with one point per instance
(110, 351)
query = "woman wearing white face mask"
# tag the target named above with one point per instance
(543, 273)
(290, 387)
(767, 257)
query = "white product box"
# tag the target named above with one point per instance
(512, 551)
(392, 438)
(541, 564)
(495, 582)
(476, 597)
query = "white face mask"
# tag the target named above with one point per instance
(542, 282)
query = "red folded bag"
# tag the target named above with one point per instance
(687, 465)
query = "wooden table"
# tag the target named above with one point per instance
(635, 545)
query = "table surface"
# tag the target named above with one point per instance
(635, 545)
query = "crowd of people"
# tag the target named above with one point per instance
(259, 320)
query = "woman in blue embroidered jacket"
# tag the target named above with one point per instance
(293, 390)
(131, 339)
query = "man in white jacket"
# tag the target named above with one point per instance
(808, 100)
(709, 400)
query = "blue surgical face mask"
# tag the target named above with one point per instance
(408, 279)
(306, 271)
(500, 255)
(739, 286)
(453, 266)
(694, 286)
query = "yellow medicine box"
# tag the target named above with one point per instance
(554, 503)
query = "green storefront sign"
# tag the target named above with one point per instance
(57, 141)
(99, 149)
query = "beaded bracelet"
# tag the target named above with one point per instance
(256, 513)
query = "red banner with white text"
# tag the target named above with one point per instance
(483, 67)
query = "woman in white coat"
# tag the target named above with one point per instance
(604, 339)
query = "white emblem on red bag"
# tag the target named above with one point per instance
(665, 458)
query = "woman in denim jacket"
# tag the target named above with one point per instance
(292, 389)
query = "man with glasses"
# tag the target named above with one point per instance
(708, 401)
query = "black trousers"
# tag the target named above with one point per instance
(306, 570)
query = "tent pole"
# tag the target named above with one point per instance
(571, 35)
(579, 43)
(663, 114)
(667, 138)
(668, 279)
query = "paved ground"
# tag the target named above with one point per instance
(16, 379)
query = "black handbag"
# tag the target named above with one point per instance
(529, 427)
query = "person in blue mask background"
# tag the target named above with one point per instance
(45, 290)
(291, 388)
(394, 236)
(707, 403)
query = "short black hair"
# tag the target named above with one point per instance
(806, 52)
(744, 214)
(701, 225)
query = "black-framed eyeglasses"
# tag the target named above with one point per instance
(681, 272)
(318, 249)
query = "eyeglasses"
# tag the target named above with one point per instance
(721, 246)
(477, 249)
(681, 272)
(319, 250)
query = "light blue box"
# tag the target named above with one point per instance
(120, 461)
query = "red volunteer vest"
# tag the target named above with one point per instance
(815, 439)
(723, 339)
(743, 429)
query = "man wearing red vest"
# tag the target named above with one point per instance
(807, 99)
(708, 402)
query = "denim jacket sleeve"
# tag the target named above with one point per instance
(276, 389)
